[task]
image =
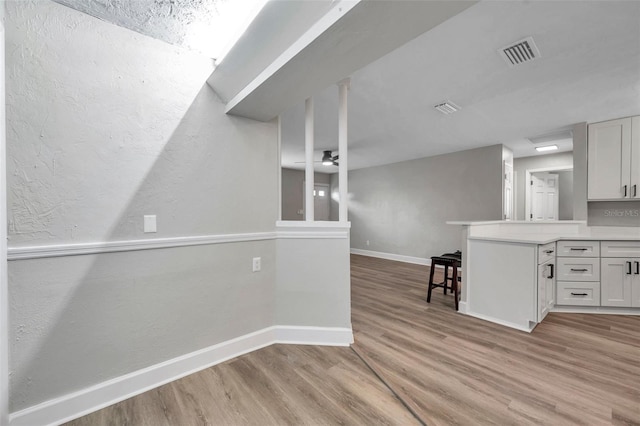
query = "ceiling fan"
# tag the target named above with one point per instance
(327, 159)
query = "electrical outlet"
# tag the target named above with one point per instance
(256, 264)
(367, 243)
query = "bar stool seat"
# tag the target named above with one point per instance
(447, 260)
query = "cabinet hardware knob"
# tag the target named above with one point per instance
(548, 251)
(579, 294)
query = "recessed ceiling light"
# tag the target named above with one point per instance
(546, 148)
(447, 107)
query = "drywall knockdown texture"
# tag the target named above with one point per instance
(105, 126)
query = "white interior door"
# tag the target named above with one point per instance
(544, 196)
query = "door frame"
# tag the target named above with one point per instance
(527, 187)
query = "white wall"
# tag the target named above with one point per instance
(4, 302)
(402, 208)
(104, 126)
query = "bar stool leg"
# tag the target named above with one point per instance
(433, 266)
(454, 284)
(446, 277)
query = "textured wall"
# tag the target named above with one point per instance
(521, 165)
(104, 126)
(402, 208)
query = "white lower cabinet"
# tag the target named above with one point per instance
(578, 273)
(620, 281)
(546, 289)
(578, 293)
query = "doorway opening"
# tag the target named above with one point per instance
(549, 194)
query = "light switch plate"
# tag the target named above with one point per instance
(150, 223)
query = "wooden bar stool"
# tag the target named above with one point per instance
(447, 260)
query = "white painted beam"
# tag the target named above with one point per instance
(343, 113)
(309, 209)
(350, 36)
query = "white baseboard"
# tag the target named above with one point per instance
(391, 256)
(397, 257)
(520, 327)
(77, 404)
(462, 307)
(604, 310)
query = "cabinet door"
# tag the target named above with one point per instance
(546, 289)
(609, 160)
(615, 285)
(635, 284)
(635, 158)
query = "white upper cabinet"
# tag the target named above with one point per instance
(613, 171)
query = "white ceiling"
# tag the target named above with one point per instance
(589, 71)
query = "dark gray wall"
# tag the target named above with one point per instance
(565, 200)
(402, 208)
(293, 190)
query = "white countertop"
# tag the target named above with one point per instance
(527, 232)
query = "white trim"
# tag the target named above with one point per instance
(462, 307)
(606, 310)
(77, 404)
(19, 253)
(60, 250)
(391, 256)
(520, 327)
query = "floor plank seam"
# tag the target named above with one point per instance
(384, 382)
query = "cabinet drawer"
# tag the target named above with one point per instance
(578, 293)
(546, 252)
(578, 269)
(578, 248)
(621, 249)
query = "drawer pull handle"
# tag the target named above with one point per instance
(579, 294)
(625, 190)
(628, 268)
(637, 265)
(550, 271)
(579, 270)
(548, 251)
(579, 248)
(634, 190)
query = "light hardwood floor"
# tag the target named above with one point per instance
(445, 367)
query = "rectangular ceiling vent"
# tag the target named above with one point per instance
(447, 107)
(520, 52)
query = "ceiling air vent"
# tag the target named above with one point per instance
(520, 52)
(447, 107)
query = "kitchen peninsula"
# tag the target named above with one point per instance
(515, 272)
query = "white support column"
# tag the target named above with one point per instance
(308, 151)
(342, 149)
